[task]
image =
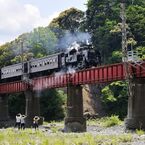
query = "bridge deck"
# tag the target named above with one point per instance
(103, 74)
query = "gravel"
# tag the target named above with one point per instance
(117, 130)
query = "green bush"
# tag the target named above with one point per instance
(52, 104)
(140, 132)
(105, 121)
(111, 121)
(16, 104)
(114, 99)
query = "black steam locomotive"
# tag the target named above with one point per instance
(77, 56)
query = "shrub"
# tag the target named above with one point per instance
(111, 121)
(139, 132)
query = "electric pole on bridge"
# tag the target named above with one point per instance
(25, 69)
(124, 33)
(124, 45)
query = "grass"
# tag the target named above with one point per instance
(106, 121)
(11, 136)
(140, 132)
(31, 137)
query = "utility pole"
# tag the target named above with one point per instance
(124, 33)
(25, 75)
(22, 57)
(124, 47)
(124, 39)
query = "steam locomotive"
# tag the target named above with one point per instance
(77, 56)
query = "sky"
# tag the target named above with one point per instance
(21, 16)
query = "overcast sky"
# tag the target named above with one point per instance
(20, 16)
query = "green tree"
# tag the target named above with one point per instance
(68, 20)
(116, 57)
(101, 17)
(42, 41)
(114, 98)
(136, 22)
(16, 104)
(67, 27)
(6, 54)
(141, 52)
(52, 104)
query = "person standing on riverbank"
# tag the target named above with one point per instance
(23, 121)
(35, 122)
(18, 120)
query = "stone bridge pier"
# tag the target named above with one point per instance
(4, 107)
(32, 106)
(74, 120)
(136, 105)
(4, 115)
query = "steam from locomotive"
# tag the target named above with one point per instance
(78, 56)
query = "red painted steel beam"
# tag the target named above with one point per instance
(13, 87)
(102, 74)
(50, 82)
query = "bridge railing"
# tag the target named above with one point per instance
(50, 82)
(103, 74)
(137, 69)
(13, 87)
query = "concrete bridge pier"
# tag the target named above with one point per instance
(74, 121)
(136, 105)
(4, 108)
(32, 106)
(4, 116)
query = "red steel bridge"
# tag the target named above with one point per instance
(102, 74)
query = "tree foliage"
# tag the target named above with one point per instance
(67, 27)
(52, 103)
(68, 20)
(114, 98)
(103, 18)
(16, 104)
(42, 41)
(136, 22)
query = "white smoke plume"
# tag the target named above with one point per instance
(69, 38)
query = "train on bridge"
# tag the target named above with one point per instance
(78, 56)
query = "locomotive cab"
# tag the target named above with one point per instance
(71, 57)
